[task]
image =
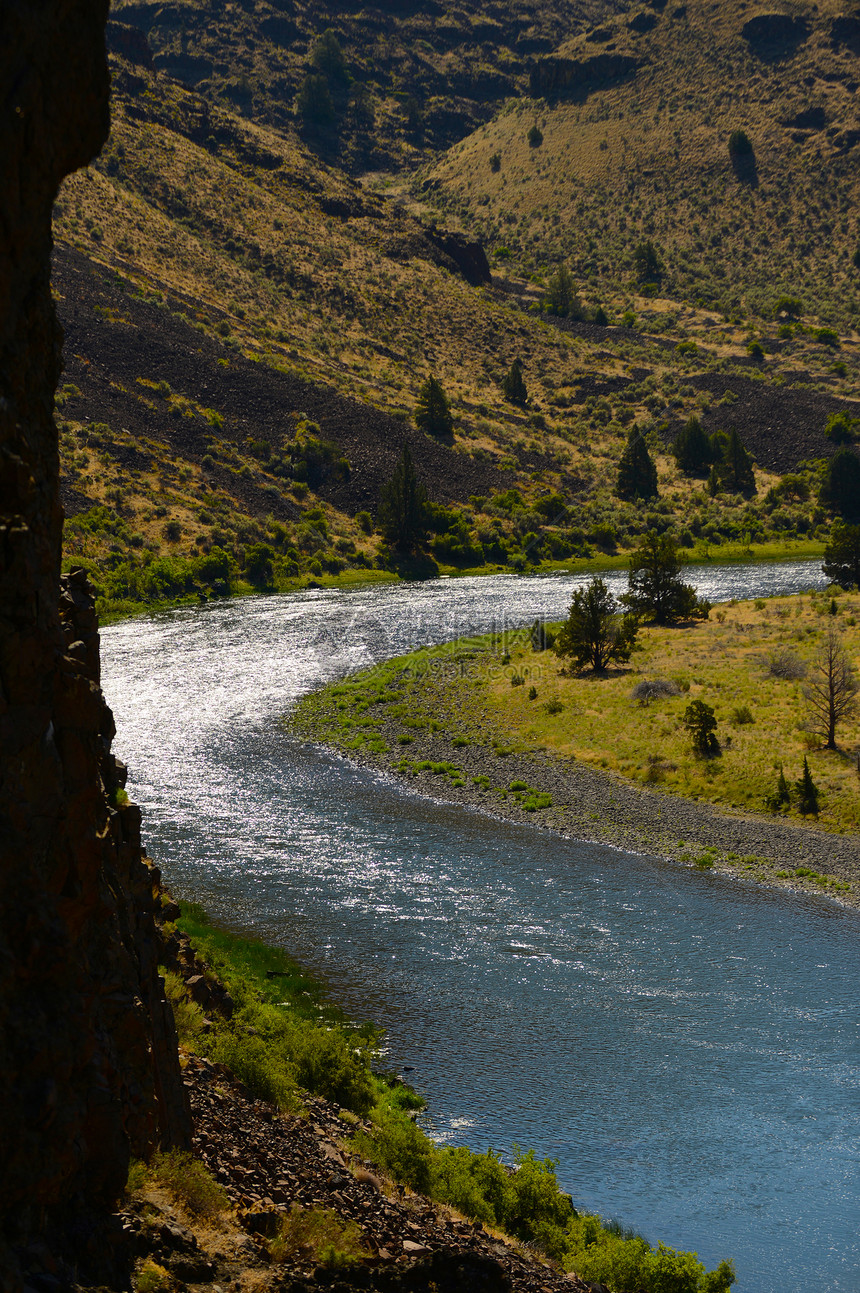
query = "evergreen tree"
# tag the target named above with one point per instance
(692, 449)
(433, 413)
(842, 555)
(648, 263)
(561, 298)
(513, 384)
(637, 475)
(327, 58)
(807, 792)
(841, 488)
(701, 723)
(655, 588)
(781, 797)
(402, 516)
(314, 101)
(735, 472)
(595, 631)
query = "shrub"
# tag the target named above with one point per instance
(654, 689)
(535, 136)
(496, 162)
(364, 521)
(189, 1182)
(319, 1234)
(648, 263)
(841, 429)
(742, 714)
(740, 144)
(783, 663)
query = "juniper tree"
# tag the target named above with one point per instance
(692, 449)
(842, 555)
(433, 413)
(701, 723)
(637, 475)
(807, 792)
(655, 588)
(596, 630)
(561, 298)
(735, 472)
(840, 490)
(402, 516)
(513, 384)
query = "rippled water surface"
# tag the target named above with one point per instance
(686, 1047)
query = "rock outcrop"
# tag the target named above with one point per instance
(89, 1071)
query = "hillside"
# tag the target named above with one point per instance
(248, 329)
(636, 116)
(413, 78)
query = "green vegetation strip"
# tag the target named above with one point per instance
(285, 1038)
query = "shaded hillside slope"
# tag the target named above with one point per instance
(417, 76)
(636, 118)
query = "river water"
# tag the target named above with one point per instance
(687, 1047)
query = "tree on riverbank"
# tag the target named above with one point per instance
(656, 590)
(402, 516)
(596, 631)
(842, 555)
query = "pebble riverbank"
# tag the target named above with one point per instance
(601, 807)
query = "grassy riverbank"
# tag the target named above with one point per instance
(493, 722)
(142, 587)
(286, 1038)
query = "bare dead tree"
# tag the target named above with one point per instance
(831, 688)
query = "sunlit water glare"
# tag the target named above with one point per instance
(686, 1047)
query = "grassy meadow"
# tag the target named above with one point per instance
(501, 691)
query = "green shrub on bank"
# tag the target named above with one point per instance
(280, 1038)
(283, 1037)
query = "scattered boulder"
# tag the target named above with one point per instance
(130, 43)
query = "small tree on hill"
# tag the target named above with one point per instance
(596, 631)
(327, 58)
(831, 688)
(735, 471)
(842, 555)
(648, 263)
(314, 102)
(513, 384)
(807, 792)
(840, 490)
(561, 297)
(637, 475)
(655, 588)
(692, 449)
(701, 724)
(402, 516)
(433, 413)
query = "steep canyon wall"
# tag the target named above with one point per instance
(88, 1063)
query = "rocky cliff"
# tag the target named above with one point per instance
(89, 1064)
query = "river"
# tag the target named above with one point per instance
(687, 1047)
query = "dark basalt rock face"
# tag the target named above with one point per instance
(569, 78)
(89, 1065)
